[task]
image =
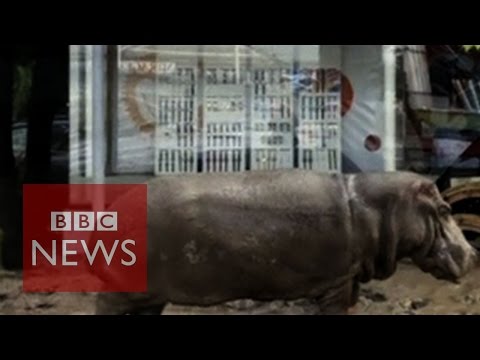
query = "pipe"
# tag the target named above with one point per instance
(98, 123)
(99, 112)
(390, 106)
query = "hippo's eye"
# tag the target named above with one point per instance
(445, 210)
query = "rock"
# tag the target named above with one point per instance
(241, 305)
(405, 304)
(373, 295)
(3, 296)
(469, 299)
(38, 304)
(401, 310)
(419, 303)
(410, 305)
(44, 305)
(278, 305)
(364, 301)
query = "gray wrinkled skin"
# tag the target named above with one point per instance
(287, 235)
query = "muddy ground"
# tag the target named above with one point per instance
(408, 292)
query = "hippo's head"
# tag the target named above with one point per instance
(435, 242)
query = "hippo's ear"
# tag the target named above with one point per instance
(425, 188)
(424, 193)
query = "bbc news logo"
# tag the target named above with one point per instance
(85, 248)
(84, 221)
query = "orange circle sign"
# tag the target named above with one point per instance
(373, 143)
(348, 95)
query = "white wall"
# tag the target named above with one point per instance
(364, 66)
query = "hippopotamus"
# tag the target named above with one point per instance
(287, 235)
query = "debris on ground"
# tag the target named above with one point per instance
(408, 292)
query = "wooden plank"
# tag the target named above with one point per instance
(468, 222)
(462, 192)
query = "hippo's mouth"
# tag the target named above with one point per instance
(431, 266)
(441, 266)
(439, 274)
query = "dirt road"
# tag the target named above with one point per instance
(409, 292)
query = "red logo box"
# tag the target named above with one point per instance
(85, 238)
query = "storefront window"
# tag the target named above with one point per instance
(217, 108)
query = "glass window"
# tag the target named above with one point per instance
(217, 108)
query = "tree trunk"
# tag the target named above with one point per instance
(7, 161)
(49, 96)
(10, 199)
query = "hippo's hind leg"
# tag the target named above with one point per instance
(338, 300)
(355, 295)
(128, 304)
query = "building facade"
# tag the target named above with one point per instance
(168, 109)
